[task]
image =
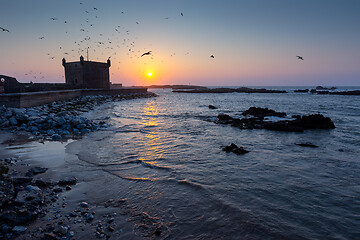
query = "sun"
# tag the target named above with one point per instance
(149, 74)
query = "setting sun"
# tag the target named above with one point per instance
(149, 74)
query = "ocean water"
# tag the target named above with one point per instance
(163, 155)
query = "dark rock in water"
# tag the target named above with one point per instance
(307, 144)
(212, 107)
(262, 112)
(230, 90)
(68, 181)
(322, 92)
(325, 88)
(235, 149)
(224, 119)
(355, 92)
(37, 170)
(314, 121)
(301, 123)
(282, 126)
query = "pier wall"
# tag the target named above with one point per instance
(30, 99)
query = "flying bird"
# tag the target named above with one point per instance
(53, 19)
(4, 30)
(300, 57)
(147, 53)
(182, 14)
(212, 56)
(41, 37)
(95, 8)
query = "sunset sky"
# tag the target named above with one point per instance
(255, 42)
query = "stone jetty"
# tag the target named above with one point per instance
(60, 119)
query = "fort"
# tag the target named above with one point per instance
(81, 78)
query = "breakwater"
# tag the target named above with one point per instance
(61, 119)
(31, 99)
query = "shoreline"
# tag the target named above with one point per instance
(55, 210)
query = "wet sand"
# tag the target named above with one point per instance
(65, 217)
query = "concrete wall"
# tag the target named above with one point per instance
(20, 100)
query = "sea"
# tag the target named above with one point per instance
(163, 158)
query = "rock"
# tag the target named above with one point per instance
(56, 137)
(307, 144)
(37, 170)
(44, 183)
(84, 204)
(50, 236)
(68, 188)
(3, 169)
(235, 149)
(84, 130)
(262, 112)
(89, 217)
(81, 126)
(212, 107)
(21, 180)
(63, 230)
(57, 190)
(314, 121)
(34, 189)
(19, 229)
(68, 181)
(50, 132)
(13, 121)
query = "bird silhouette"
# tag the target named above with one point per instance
(300, 57)
(182, 14)
(4, 30)
(147, 53)
(212, 56)
(53, 19)
(95, 8)
(41, 37)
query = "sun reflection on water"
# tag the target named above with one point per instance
(152, 141)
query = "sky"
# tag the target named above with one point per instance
(254, 42)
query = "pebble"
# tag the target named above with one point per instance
(84, 204)
(19, 229)
(58, 119)
(89, 217)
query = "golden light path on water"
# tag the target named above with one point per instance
(152, 142)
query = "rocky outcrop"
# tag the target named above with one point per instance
(256, 121)
(262, 112)
(231, 90)
(235, 149)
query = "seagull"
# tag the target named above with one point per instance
(4, 30)
(212, 56)
(53, 19)
(147, 53)
(182, 14)
(300, 57)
